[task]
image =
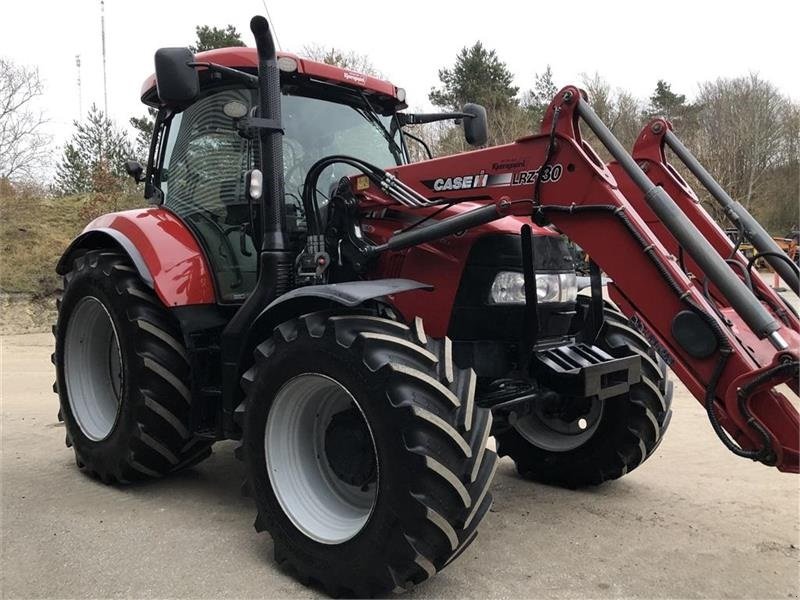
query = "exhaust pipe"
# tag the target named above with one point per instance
(737, 213)
(274, 259)
(273, 219)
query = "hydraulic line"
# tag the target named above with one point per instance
(390, 184)
(765, 453)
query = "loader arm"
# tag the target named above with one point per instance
(730, 347)
(755, 349)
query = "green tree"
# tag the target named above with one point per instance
(144, 126)
(478, 75)
(209, 38)
(94, 157)
(669, 105)
(538, 99)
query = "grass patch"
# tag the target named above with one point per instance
(34, 233)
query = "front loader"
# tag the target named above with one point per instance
(363, 325)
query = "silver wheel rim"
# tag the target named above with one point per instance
(93, 368)
(556, 434)
(313, 497)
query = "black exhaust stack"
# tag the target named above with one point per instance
(273, 218)
(275, 261)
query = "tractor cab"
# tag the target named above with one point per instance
(203, 150)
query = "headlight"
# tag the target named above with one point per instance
(508, 287)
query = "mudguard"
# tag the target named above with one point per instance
(162, 249)
(351, 293)
(317, 297)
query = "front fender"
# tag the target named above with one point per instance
(350, 293)
(317, 297)
(311, 298)
(163, 250)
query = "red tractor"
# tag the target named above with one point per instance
(363, 325)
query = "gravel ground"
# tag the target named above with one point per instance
(693, 522)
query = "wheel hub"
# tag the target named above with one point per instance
(562, 412)
(560, 424)
(348, 447)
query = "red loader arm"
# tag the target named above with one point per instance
(730, 346)
(756, 334)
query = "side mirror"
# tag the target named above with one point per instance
(476, 129)
(135, 170)
(177, 83)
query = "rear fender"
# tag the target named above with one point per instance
(164, 252)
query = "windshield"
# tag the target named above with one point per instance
(314, 129)
(204, 147)
(205, 160)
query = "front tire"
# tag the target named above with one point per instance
(613, 437)
(365, 452)
(122, 374)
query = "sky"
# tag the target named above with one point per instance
(631, 43)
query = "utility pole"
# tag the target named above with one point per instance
(103, 38)
(80, 92)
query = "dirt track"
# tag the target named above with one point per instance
(694, 521)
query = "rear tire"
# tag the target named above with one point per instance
(418, 505)
(122, 374)
(628, 429)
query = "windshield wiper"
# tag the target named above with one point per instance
(373, 118)
(214, 67)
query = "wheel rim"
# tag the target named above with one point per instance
(297, 444)
(557, 433)
(93, 368)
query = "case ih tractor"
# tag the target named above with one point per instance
(363, 325)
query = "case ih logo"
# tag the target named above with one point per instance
(355, 77)
(551, 173)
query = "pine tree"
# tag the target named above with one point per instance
(538, 99)
(666, 103)
(94, 157)
(144, 126)
(209, 38)
(478, 75)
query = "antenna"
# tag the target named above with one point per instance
(271, 25)
(80, 93)
(103, 38)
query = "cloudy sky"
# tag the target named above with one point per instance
(631, 43)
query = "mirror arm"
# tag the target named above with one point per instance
(420, 118)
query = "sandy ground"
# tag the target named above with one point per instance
(693, 522)
(20, 313)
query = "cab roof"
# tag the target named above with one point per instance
(246, 58)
